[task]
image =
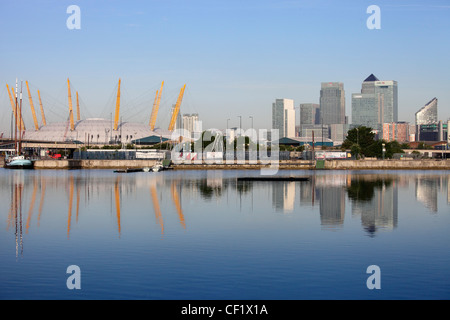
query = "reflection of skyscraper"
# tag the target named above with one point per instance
(448, 190)
(376, 201)
(332, 205)
(283, 196)
(426, 192)
(308, 193)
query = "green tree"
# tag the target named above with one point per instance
(361, 136)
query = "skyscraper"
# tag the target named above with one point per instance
(283, 117)
(387, 94)
(376, 104)
(190, 123)
(332, 103)
(428, 114)
(309, 113)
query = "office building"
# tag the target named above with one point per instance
(398, 131)
(309, 113)
(376, 104)
(191, 123)
(428, 114)
(332, 103)
(283, 117)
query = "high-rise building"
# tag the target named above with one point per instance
(283, 117)
(332, 103)
(428, 114)
(309, 113)
(376, 104)
(191, 123)
(387, 94)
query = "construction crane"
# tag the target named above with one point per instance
(176, 110)
(72, 125)
(36, 125)
(42, 110)
(116, 116)
(156, 107)
(13, 105)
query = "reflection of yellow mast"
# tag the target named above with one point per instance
(117, 198)
(70, 205)
(156, 207)
(176, 200)
(41, 203)
(78, 198)
(33, 199)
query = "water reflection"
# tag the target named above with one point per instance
(373, 198)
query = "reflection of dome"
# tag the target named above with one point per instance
(95, 129)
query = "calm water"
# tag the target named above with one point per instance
(203, 235)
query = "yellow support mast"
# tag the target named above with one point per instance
(153, 110)
(13, 105)
(78, 109)
(44, 122)
(176, 109)
(116, 117)
(72, 125)
(156, 108)
(36, 125)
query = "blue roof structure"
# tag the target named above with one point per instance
(371, 78)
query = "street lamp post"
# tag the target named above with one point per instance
(384, 149)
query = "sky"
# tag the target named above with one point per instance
(235, 57)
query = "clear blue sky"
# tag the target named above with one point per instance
(236, 57)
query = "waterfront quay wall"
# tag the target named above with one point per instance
(429, 164)
(93, 164)
(281, 165)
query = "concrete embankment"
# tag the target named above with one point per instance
(387, 164)
(282, 165)
(92, 164)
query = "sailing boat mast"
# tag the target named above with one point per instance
(20, 128)
(15, 125)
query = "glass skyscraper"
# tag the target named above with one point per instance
(376, 104)
(428, 114)
(332, 103)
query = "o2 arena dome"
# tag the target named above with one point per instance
(93, 131)
(98, 130)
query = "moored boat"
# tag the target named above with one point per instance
(19, 162)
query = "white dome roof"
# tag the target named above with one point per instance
(95, 129)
